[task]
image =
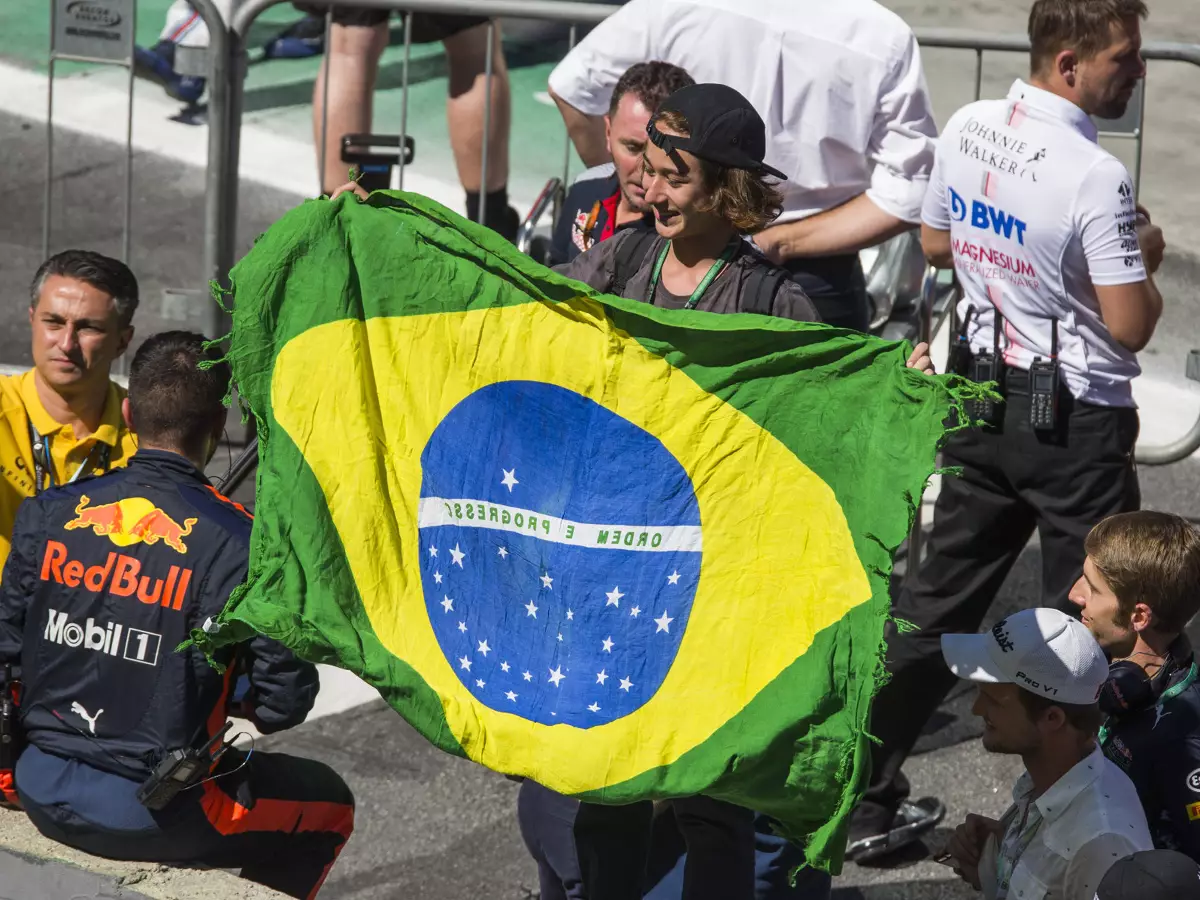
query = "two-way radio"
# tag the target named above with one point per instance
(1043, 386)
(12, 738)
(960, 350)
(180, 770)
(987, 367)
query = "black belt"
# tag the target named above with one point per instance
(1016, 380)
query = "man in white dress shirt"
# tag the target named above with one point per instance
(1074, 813)
(841, 89)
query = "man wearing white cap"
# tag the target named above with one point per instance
(1074, 813)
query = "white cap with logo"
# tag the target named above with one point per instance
(1042, 650)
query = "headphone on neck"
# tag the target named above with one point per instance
(1129, 689)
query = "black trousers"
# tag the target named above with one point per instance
(613, 845)
(281, 819)
(1014, 480)
(837, 287)
(547, 821)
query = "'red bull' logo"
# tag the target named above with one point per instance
(119, 575)
(132, 520)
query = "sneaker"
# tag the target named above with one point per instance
(158, 64)
(299, 40)
(913, 819)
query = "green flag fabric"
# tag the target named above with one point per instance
(626, 552)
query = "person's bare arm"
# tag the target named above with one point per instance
(853, 226)
(586, 133)
(937, 247)
(1131, 311)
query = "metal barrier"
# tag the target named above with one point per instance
(228, 69)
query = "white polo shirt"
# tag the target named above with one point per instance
(1074, 832)
(1038, 213)
(838, 84)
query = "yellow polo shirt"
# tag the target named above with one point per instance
(19, 407)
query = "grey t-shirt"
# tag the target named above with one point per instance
(595, 268)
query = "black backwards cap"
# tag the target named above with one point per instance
(1151, 875)
(725, 128)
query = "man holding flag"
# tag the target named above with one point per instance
(705, 181)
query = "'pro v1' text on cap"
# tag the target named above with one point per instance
(1042, 650)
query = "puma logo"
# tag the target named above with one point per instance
(83, 714)
(1158, 716)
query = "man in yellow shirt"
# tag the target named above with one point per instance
(61, 420)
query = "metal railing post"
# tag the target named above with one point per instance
(218, 254)
(321, 151)
(408, 26)
(978, 74)
(48, 193)
(567, 149)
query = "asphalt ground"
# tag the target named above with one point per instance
(432, 826)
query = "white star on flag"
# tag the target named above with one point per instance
(635, 611)
(437, 577)
(602, 676)
(479, 682)
(511, 696)
(626, 684)
(614, 597)
(433, 551)
(556, 675)
(457, 556)
(528, 676)
(570, 615)
(607, 644)
(664, 623)
(484, 648)
(530, 609)
(673, 578)
(464, 663)
(504, 666)
(509, 479)
(447, 603)
(595, 707)
(560, 635)
(547, 580)
(462, 626)
(502, 553)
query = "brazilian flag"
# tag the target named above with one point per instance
(627, 552)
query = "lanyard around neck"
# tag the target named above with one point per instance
(722, 260)
(43, 461)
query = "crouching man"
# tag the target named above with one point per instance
(126, 756)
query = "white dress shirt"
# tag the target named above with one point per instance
(1085, 822)
(839, 85)
(1038, 213)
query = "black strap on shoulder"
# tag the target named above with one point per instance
(629, 258)
(761, 286)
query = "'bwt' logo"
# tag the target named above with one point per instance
(987, 217)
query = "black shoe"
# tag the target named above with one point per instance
(912, 820)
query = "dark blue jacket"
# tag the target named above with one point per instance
(592, 198)
(106, 577)
(1159, 749)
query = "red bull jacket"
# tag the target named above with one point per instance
(106, 577)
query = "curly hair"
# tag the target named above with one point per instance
(746, 200)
